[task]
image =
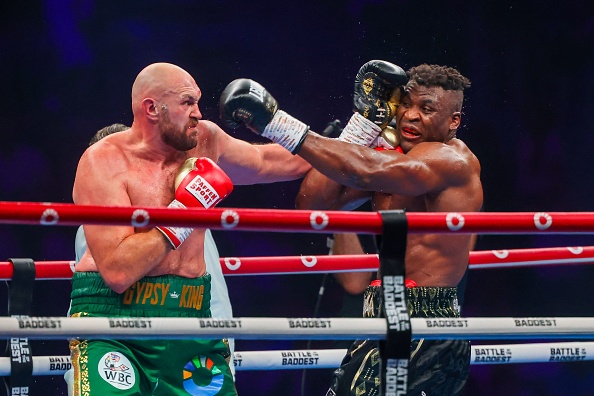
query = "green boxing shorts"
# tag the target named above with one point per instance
(147, 367)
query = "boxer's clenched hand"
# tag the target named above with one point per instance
(376, 96)
(246, 102)
(199, 183)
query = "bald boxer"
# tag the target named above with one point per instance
(220, 305)
(169, 157)
(434, 172)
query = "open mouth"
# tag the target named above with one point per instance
(409, 133)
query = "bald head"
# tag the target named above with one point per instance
(158, 80)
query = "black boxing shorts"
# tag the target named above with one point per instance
(437, 367)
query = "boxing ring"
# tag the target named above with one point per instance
(22, 327)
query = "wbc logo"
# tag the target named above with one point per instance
(117, 370)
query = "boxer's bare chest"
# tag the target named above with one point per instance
(152, 183)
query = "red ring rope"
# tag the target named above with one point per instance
(348, 263)
(294, 220)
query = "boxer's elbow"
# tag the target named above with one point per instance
(116, 280)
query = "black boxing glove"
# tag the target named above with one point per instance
(377, 91)
(377, 95)
(244, 101)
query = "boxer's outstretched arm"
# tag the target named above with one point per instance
(428, 167)
(248, 163)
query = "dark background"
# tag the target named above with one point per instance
(67, 67)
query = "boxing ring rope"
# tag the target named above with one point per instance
(309, 328)
(280, 220)
(475, 328)
(280, 265)
(331, 358)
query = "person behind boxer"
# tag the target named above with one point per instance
(435, 172)
(169, 157)
(106, 131)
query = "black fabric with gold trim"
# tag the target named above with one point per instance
(437, 367)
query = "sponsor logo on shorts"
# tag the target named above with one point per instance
(300, 358)
(567, 354)
(535, 322)
(202, 377)
(492, 355)
(117, 370)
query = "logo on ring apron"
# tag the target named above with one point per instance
(202, 377)
(117, 370)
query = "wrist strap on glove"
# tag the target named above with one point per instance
(176, 235)
(359, 130)
(286, 130)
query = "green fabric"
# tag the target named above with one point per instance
(168, 295)
(148, 367)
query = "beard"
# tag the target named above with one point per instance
(174, 136)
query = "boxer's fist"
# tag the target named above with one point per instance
(388, 139)
(246, 102)
(200, 182)
(377, 95)
(377, 91)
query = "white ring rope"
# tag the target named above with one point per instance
(480, 354)
(294, 328)
(331, 358)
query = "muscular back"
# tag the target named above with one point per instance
(440, 259)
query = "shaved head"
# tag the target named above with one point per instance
(156, 81)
